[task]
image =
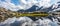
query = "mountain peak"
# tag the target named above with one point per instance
(33, 8)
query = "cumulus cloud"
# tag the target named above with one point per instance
(44, 3)
(29, 3)
(26, 4)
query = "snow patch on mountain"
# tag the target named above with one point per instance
(26, 4)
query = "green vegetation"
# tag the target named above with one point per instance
(5, 14)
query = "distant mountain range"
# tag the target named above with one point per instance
(33, 8)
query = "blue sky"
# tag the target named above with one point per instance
(14, 5)
(25, 4)
(16, 2)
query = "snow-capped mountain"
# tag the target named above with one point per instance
(33, 8)
(42, 8)
(36, 8)
(26, 21)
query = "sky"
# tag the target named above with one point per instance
(15, 5)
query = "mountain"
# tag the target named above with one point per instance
(33, 8)
(47, 9)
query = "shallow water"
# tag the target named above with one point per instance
(25, 21)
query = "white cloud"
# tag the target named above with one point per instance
(56, 9)
(25, 4)
(8, 5)
(44, 3)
